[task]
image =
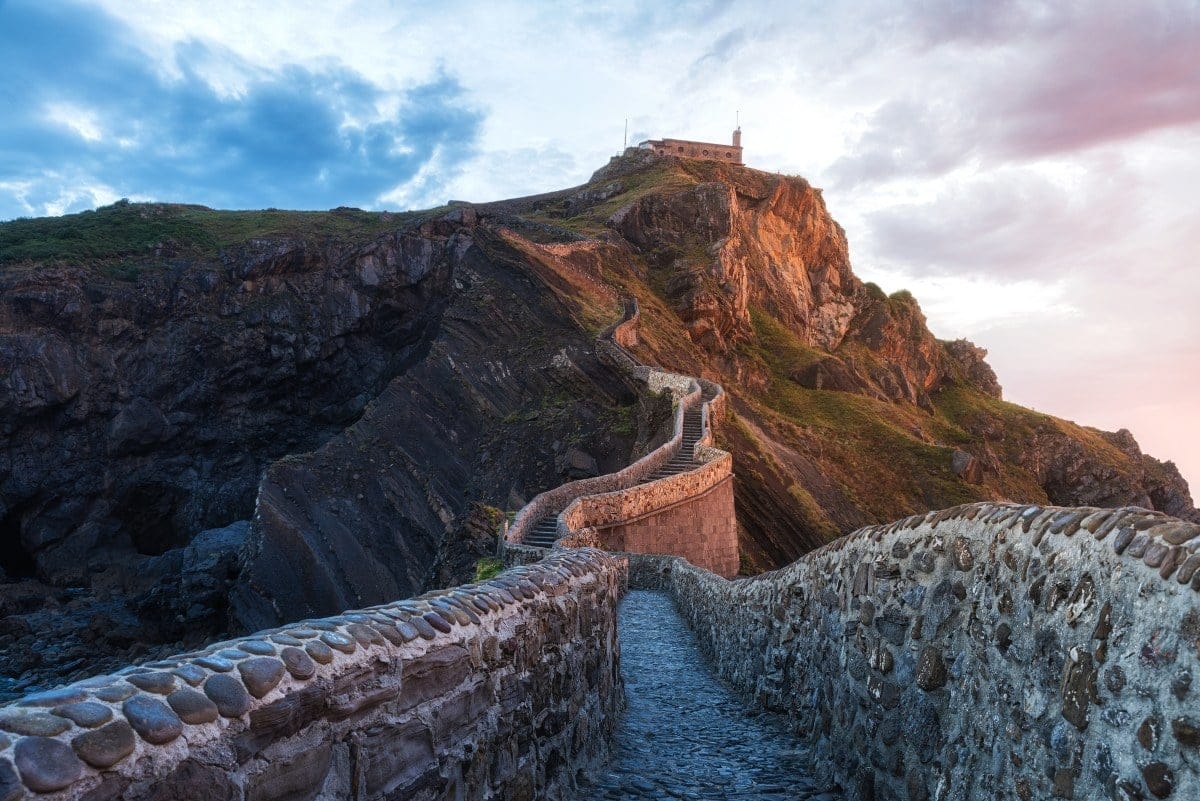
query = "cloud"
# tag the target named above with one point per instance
(1010, 224)
(1103, 74)
(84, 109)
(939, 22)
(1008, 82)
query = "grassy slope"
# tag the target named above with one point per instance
(810, 463)
(127, 236)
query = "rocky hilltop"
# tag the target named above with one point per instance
(846, 409)
(219, 421)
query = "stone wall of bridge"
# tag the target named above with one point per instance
(499, 689)
(697, 529)
(990, 651)
(688, 514)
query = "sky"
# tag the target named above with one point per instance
(1029, 170)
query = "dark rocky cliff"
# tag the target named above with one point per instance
(135, 413)
(216, 421)
(509, 401)
(151, 403)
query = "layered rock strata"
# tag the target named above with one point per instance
(497, 689)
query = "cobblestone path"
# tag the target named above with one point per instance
(687, 735)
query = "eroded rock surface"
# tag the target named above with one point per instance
(138, 414)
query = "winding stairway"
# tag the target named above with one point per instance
(544, 532)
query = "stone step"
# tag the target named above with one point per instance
(544, 532)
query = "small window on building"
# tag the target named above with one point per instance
(706, 152)
(728, 155)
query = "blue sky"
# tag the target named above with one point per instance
(1027, 169)
(94, 116)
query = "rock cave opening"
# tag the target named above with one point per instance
(147, 512)
(15, 560)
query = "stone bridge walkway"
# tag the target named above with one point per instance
(545, 531)
(685, 734)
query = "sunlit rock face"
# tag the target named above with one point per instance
(755, 242)
(849, 410)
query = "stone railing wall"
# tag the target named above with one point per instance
(981, 652)
(608, 509)
(498, 689)
(627, 510)
(555, 500)
(687, 393)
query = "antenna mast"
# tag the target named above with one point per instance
(626, 144)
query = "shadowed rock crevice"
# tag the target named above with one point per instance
(16, 562)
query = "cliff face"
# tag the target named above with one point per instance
(847, 410)
(216, 421)
(748, 242)
(357, 380)
(510, 400)
(134, 413)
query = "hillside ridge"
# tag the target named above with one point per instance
(346, 370)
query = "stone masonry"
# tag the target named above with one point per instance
(498, 689)
(670, 501)
(693, 529)
(989, 651)
(691, 149)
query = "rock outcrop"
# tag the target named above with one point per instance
(742, 242)
(143, 406)
(847, 409)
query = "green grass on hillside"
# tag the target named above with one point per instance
(488, 568)
(777, 348)
(872, 439)
(590, 221)
(125, 232)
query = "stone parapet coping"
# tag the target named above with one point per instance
(621, 506)
(1154, 541)
(141, 722)
(1167, 545)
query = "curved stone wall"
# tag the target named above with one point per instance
(629, 509)
(986, 651)
(498, 689)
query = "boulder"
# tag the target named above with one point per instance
(966, 467)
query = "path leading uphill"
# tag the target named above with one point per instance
(545, 531)
(685, 734)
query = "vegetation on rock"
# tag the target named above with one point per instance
(369, 381)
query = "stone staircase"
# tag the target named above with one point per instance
(545, 531)
(693, 430)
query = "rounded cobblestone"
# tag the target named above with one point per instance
(685, 734)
